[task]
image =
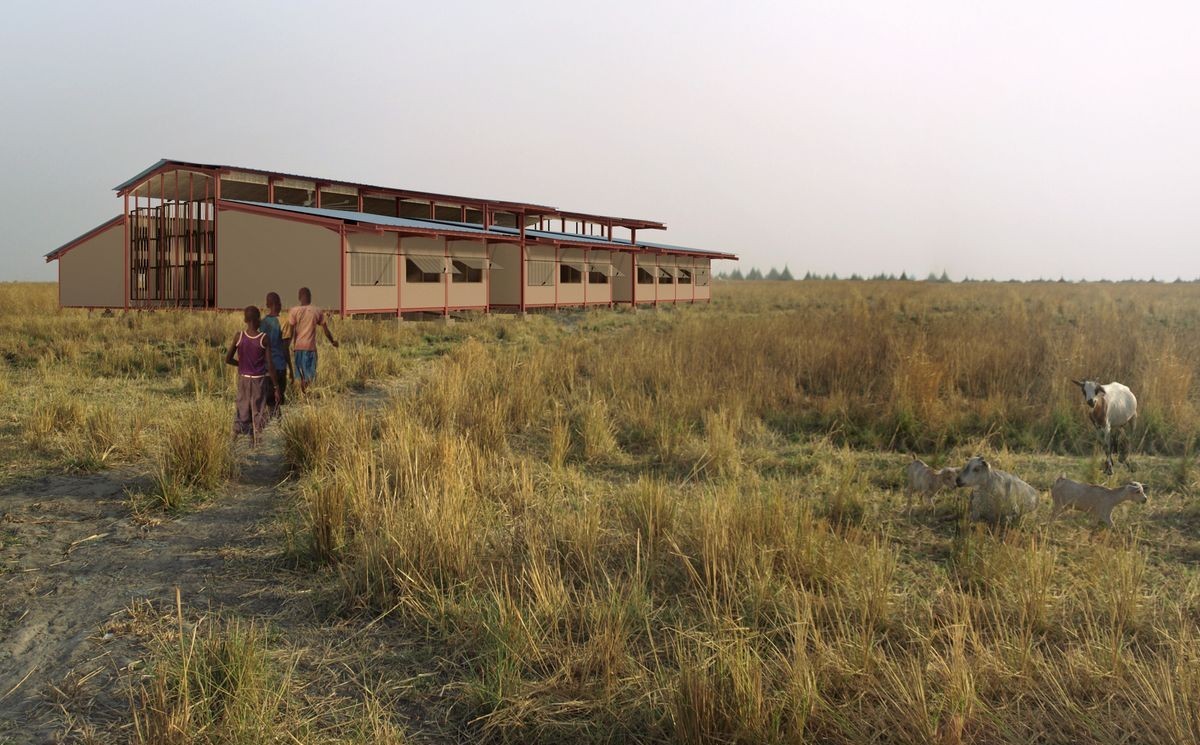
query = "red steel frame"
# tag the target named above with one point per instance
(177, 217)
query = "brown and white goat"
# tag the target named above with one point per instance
(1113, 407)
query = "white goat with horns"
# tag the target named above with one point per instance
(1113, 407)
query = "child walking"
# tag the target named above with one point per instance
(303, 321)
(279, 352)
(249, 353)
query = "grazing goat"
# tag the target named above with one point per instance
(1113, 407)
(1098, 500)
(999, 497)
(926, 481)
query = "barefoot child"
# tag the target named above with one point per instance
(279, 351)
(303, 320)
(249, 353)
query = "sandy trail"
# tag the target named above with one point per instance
(74, 560)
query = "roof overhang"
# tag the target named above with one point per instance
(162, 166)
(58, 252)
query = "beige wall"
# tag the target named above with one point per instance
(622, 287)
(571, 294)
(704, 292)
(258, 253)
(504, 283)
(666, 292)
(599, 293)
(425, 295)
(687, 292)
(647, 293)
(541, 295)
(376, 297)
(469, 294)
(92, 274)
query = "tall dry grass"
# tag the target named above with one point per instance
(676, 525)
(671, 564)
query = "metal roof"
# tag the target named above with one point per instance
(447, 226)
(504, 205)
(442, 227)
(89, 234)
(370, 218)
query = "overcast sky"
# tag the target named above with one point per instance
(1006, 139)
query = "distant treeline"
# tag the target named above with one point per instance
(786, 275)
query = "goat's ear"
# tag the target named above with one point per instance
(1077, 382)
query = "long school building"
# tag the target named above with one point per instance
(206, 236)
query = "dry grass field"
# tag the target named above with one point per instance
(683, 525)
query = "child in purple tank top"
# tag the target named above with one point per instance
(251, 354)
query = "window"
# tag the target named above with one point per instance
(243, 191)
(339, 198)
(380, 205)
(424, 268)
(645, 277)
(369, 270)
(467, 269)
(448, 212)
(570, 274)
(665, 276)
(416, 210)
(541, 273)
(702, 276)
(598, 273)
(685, 276)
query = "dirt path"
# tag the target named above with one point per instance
(74, 561)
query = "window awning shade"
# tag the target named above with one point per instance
(472, 262)
(476, 262)
(667, 271)
(428, 264)
(605, 267)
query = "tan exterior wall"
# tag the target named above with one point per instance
(597, 293)
(257, 254)
(376, 297)
(469, 294)
(686, 293)
(647, 293)
(504, 283)
(422, 295)
(92, 274)
(666, 292)
(541, 295)
(569, 293)
(704, 292)
(622, 287)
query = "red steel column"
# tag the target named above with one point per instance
(399, 267)
(633, 278)
(216, 179)
(342, 304)
(633, 244)
(487, 270)
(128, 250)
(524, 268)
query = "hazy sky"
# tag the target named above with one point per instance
(1002, 139)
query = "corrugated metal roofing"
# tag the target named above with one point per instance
(503, 204)
(76, 241)
(447, 226)
(370, 218)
